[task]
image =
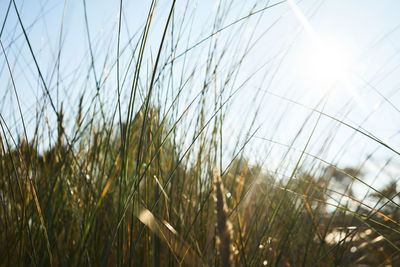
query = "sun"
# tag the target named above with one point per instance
(325, 63)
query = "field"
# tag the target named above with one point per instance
(208, 133)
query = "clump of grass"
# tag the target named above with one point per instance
(117, 171)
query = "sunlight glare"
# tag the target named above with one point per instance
(326, 63)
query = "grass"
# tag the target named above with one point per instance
(141, 163)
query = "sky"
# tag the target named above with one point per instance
(300, 52)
